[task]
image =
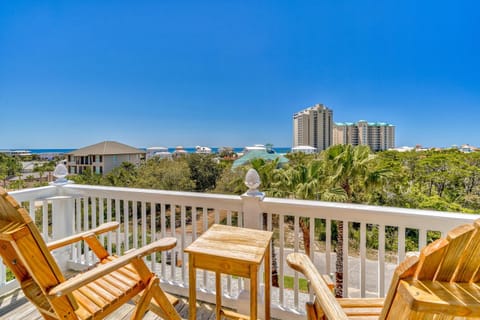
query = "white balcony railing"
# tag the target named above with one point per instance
(148, 214)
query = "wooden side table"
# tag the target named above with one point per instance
(234, 251)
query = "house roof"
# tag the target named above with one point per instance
(106, 148)
(255, 154)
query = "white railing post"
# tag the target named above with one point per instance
(63, 214)
(252, 218)
(251, 201)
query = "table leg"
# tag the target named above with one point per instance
(218, 289)
(192, 290)
(253, 292)
(267, 282)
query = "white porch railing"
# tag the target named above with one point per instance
(149, 214)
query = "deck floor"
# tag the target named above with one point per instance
(15, 306)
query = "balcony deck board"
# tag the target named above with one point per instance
(15, 306)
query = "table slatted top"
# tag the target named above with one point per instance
(242, 244)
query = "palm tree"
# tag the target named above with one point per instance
(268, 172)
(299, 182)
(350, 172)
(302, 181)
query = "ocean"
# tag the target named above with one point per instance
(40, 151)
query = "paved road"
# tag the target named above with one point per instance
(371, 272)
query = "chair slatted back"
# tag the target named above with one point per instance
(405, 270)
(442, 275)
(467, 270)
(24, 252)
(458, 240)
(442, 283)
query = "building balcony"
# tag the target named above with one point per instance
(145, 215)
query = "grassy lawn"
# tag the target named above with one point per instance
(289, 281)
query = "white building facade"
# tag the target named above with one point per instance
(103, 157)
(377, 135)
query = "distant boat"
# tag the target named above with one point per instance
(203, 150)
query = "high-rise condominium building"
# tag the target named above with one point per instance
(378, 135)
(313, 127)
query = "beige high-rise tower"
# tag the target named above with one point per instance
(313, 127)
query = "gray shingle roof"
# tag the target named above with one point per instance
(106, 148)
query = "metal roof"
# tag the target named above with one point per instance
(258, 154)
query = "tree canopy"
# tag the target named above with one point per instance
(445, 180)
(9, 167)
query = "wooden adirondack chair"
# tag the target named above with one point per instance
(442, 283)
(91, 295)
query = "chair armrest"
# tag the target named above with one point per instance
(330, 306)
(104, 269)
(104, 227)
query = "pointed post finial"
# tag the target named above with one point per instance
(60, 173)
(252, 181)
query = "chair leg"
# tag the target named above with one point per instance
(162, 300)
(144, 301)
(311, 311)
(160, 304)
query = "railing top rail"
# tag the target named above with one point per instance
(34, 193)
(179, 197)
(415, 218)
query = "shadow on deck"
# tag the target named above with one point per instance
(15, 306)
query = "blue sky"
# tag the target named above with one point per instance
(218, 73)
